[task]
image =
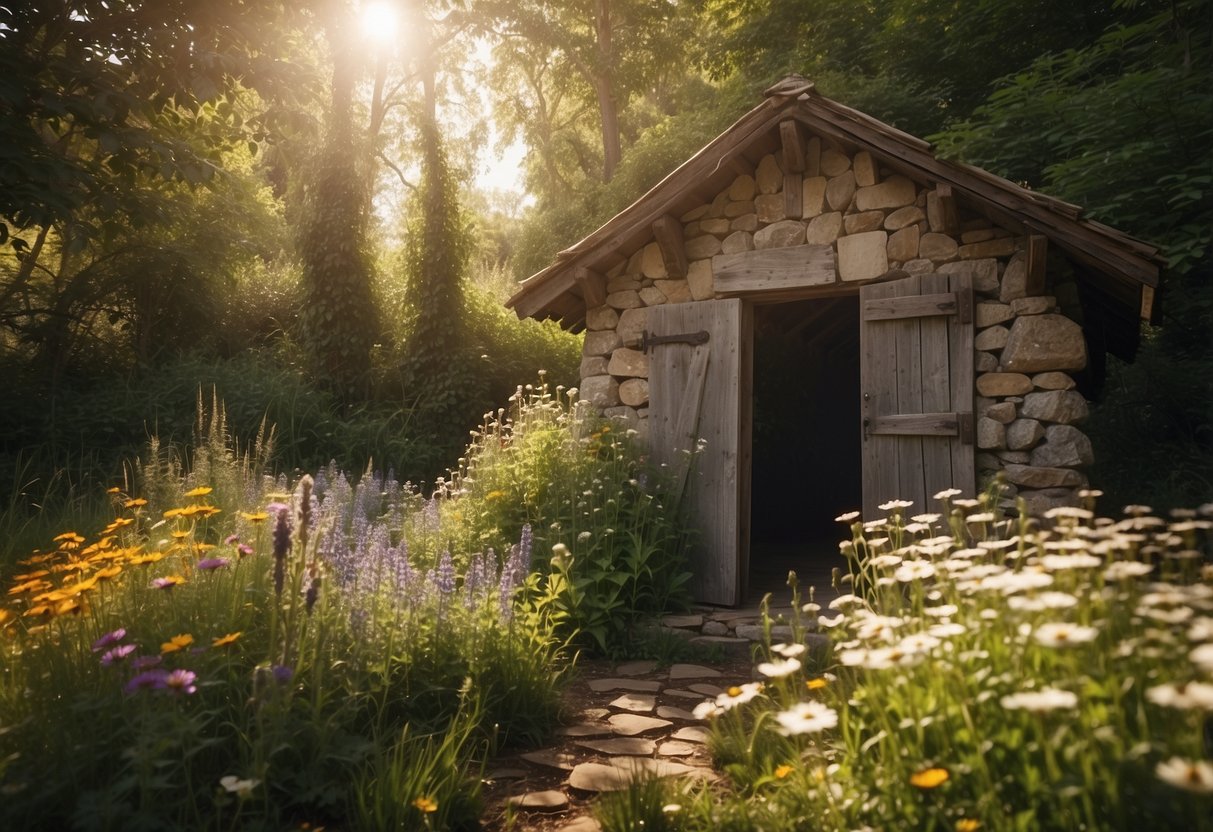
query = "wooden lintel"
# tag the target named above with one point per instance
(1038, 249)
(793, 146)
(793, 195)
(947, 218)
(773, 270)
(593, 286)
(913, 306)
(668, 231)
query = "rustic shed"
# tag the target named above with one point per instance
(932, 322)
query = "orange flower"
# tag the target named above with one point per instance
(224, 641)
(178, 642)
(968, 825)
(114, 490)
(426, 804)
(929, 778)
(135, 503)
(29, 586)
(107, 573)
(169, 514)
(815, 684)
(72, 605)
(200, 491)
(783, 771)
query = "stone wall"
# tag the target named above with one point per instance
(1025, 404)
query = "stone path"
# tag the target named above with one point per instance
(629, 720)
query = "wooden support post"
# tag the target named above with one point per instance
(668, 231)
(941, 210)
(1038, 249)
(793, 146)
(593, 286)
(1147, 303)
(793, 195)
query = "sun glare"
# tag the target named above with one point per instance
(379, 20)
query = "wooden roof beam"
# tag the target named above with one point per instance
(791, 136)
(592, 285)
(668, 232)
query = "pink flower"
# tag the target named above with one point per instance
(109, 640)
(117, 654)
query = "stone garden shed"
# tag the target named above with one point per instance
(933, 324)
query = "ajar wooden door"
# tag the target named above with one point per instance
(916, 382)
(700, 364)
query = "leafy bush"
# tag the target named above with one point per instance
(193, 665)
(583, 487)
(992, 674)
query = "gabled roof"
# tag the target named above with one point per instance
(1120, 272)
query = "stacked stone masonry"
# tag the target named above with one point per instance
(1025, 404)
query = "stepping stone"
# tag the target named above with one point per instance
(506, 774)
(582, 824)
(682, 694)
(647, 766)
(676, 748)
(638, 685)
(628, 725)
(753, 632)
(621, 745)
(545, 801)
(583, 729)
(682, 621)
(732, 615)
(636, 668)
(597, 777)
(721, 641)
(705, 690)
(667, 712)
(692, 671)
(692, 733)
(551, 759)
(641, 703)
(715, 628)
(590, 714)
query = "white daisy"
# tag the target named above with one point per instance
(1039, 701)
(779, 668)
(806, 718)
(1190, 775)
(1062, 634)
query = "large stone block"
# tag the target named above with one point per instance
(903, 244)
(834, 163)
(746, 222)
(994, 338)
(768, 177)
(593, 365)
(652, 265)
(629, 299)
(1053, 381)
(717, 225)
(863, 256)
(1034, 306)
(840, 190)
(600, 391)
(1003, 384)
(600, 343)
(865, 168)
(632, 324)
(1036, 503)
(1062, 406)
(770, 208)
(1001, 412)
(737, 242)
(989, 314)
(824, 229)
(894, 192)
(702, 247)
(675, 291)
(991, 435)
(699, 278)
(737, 209)
(652, 296)
(1065, 446)
(1014, 279)
(1024, 434)
(865, 221)
(696, 213)
(601, 317)
(634, 392)
(937, 247)
(1032, 476)
(985, 362)
(1003, 247)
(1044, 342)
(910, 215)
(623, 282)
(626, 415)
(984, 272)
(629, 363)
(780, 234)
(742, 189)
(813, 195)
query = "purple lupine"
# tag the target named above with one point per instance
(282, 542)
(313, 589)
(444, 576)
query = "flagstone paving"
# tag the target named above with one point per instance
(624, 721)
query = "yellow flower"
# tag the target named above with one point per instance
(426, 804)
(172, 512)
(224, 641)
(114, 490)
(178, 642)
(179, 534)
(107, 573)
(71, 605)
(815, 684)
(929, 778)
(968, 825)
(135, 503)
(255, 517)
(118, 523)
(495, 494)
(200, 491)
(783, 771)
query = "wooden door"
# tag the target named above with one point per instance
(702, 392)
(916, 380)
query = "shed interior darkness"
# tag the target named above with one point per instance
(806, 466)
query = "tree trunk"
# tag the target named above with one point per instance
(608, 107)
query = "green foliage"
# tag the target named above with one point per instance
(616, 547)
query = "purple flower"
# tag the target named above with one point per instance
(145, 662)
(109, 640)
(180, 682)
(117, 654)
(282, 545)
(444, 577)
(231, 538)
(210, 564)
(282, 674)
(244, 550)
(148, 680)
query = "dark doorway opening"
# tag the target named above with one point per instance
(806, 467)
